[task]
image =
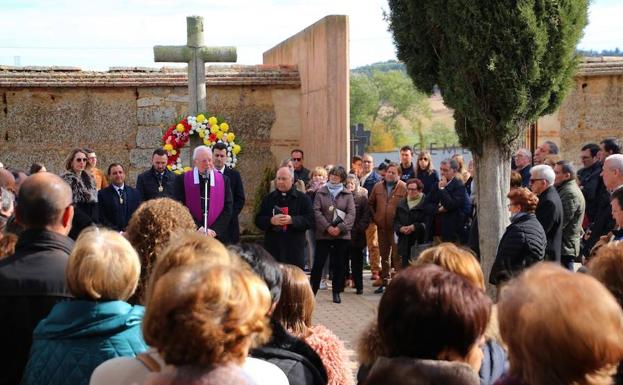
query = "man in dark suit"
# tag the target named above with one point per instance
(549, 210)
(450, 196)
(158, 181)
(118, 201)
(219, 155)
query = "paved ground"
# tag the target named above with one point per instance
(349, 318)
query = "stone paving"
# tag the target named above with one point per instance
(349, 318)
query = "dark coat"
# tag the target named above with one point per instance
(412, 371)
(549, 213)
(525, 176)
(522, 245)
(113, 214)
(429, 180)
(302, 174)
(573, 208)
(32, 281)
(221, 223)
(370, 181)
(420, 216)
(300, 363)
(237, 190)
(362, 219)
(603, 221)
(452, 198)
(286, 246)
(590, 182)
(147, 185)
(407, 173)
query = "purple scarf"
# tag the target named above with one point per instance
(193, 197)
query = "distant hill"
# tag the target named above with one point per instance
(605, 52)
(391, 65)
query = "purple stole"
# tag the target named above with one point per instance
(192, 192)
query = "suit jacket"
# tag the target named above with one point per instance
(147, 185)
(237, 190)
(112, 213)
(221, 223)
(453, 199)
(549, 213)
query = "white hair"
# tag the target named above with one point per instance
(7, 199)
(615, 161)
(525, 152)
(290, 171)
(543, 171)
(199, 149)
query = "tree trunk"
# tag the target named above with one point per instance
(492, 184)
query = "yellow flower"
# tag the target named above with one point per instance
(178, 172)
(169, 167)
(173, 152)
(206, 141)
(224, 127)
(236, 149)
(214, 129)
(186, 169)
(201, 118)
(219, 135)
(202, 134)
(212, 121)
(231, 137)
(168, 147)
(180, 127)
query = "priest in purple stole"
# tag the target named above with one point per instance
(190, 189)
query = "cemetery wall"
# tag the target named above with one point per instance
(321, 54)
(592, 111)
(122, 114)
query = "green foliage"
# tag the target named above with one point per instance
(604, 52)
(499, 64)
(389, 105)
(390, 65)
(439, 135)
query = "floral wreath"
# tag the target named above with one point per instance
(178, 135)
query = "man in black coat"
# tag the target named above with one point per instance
(219, 152)
(118, 201)
(284, 215)
(450, 196)
(300, 363)
(590, 179)
(549, 210)
(523, 164)
(158, 181)
(33, 280)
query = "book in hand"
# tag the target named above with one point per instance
(281, 211)
(338, 217)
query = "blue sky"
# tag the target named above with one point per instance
(97, 34)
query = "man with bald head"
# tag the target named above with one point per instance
(207, 194)
(285, 215)
(32, 280)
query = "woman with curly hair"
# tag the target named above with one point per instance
(84, 193)
(294, 312)
(523, 243)
(150, 228)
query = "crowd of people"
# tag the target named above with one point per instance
(105, 283)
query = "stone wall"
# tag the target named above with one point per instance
(592, 111)
(123, 114)
(321, 54)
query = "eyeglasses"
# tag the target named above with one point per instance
(81, 159)
(535, 180)
(297, 159)
(426, 159)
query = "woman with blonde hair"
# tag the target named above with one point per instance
(194, 251)
(102, 273)
(464, 173)
(561, 328)
(150, 228)
(425, 171)
(294, 312)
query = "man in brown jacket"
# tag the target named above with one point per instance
(383, 201)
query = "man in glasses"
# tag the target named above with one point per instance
(300, 172)
(549, 210)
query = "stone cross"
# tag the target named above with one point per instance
(196, 55)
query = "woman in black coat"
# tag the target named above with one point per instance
(358, 232)
(523, 243)
(413, 219)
